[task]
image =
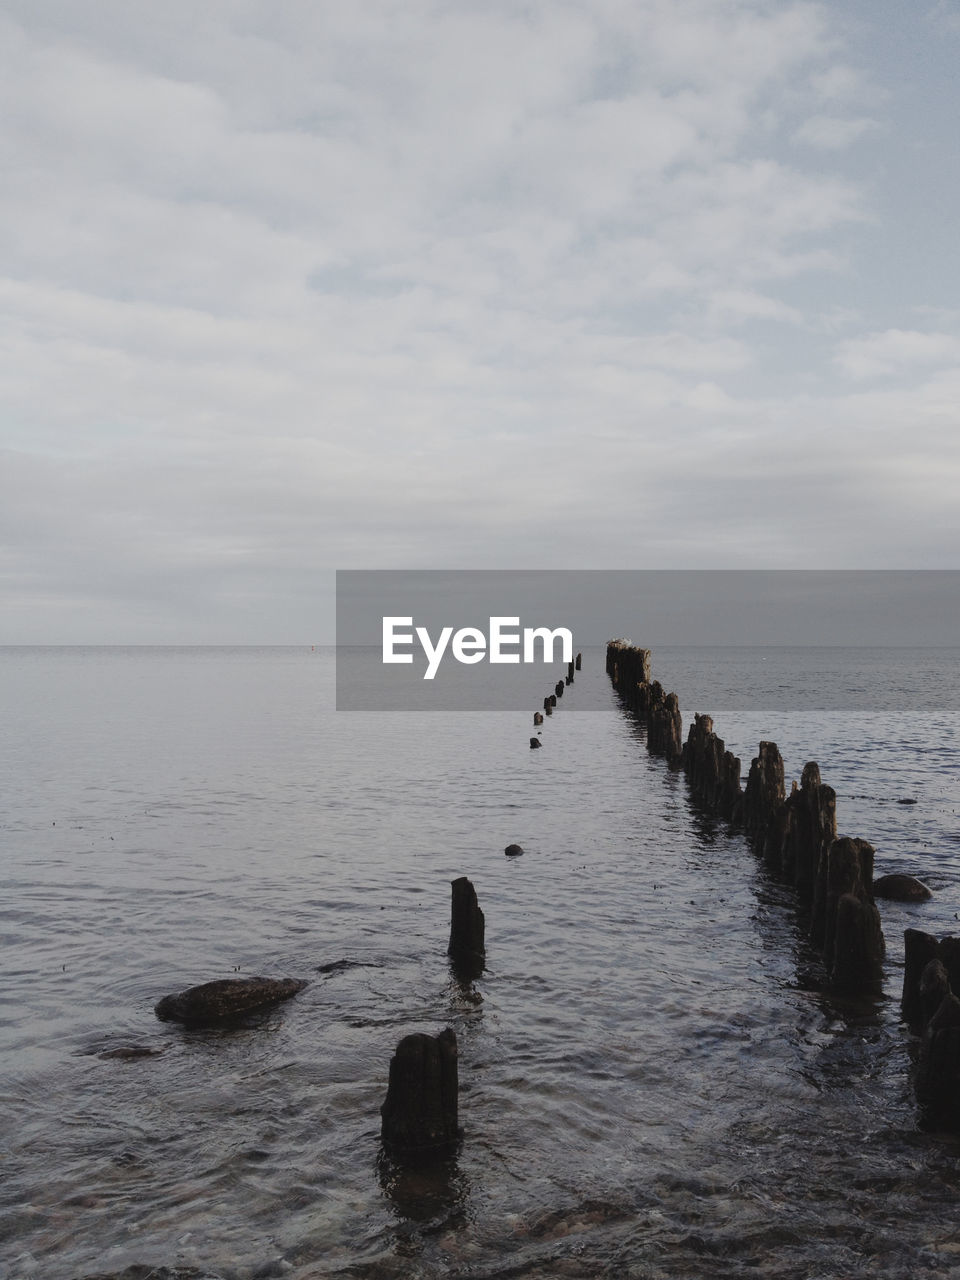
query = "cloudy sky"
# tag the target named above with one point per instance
(293, 285)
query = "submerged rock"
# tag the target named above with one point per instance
(130, 1053)
(225, 1000)
(513, 851)
(899, 888)
(144, 1271)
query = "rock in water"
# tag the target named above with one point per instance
(513, 851)
(225, 1000)
(534, 743)
(898, 888)
(419, 1116)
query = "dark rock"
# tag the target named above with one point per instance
(906, 802)
(227, 1000)
(341, 966)
(147, 1271)
(130, 1053)
(513, 851)
(419, 1116)
(900, 888)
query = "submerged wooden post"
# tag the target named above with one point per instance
(576, 661)
(466, 950)
(419, 1116)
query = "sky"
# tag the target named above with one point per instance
(298, 285)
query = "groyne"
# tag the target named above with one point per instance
(795, 833)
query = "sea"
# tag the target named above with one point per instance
(654, 1081)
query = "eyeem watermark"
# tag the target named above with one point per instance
(470, 645)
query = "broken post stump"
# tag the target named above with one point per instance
(538, 717)
(576, 661)
(858, 948)
(919, 949)
(937, 1082)
(467, 951)
(765, 790)
(419, 1115)
(801, 831)
(849, 869)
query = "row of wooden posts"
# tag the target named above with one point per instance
(550, 701)
(419, 1118)
(796, 835)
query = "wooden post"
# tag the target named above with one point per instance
(466, 950)
(419, 1116)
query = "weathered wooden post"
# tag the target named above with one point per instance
(558, 689)
(467, 951)
(419, 1116)
(765, 790)
(576, 661)
(849, 869)
(535, 743)
(937, 1081)
(858, 947)
(919, 950)
(538, 717)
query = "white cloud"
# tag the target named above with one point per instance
(309, 284)
(897, 351)
(833, 133)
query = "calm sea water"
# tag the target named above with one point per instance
(651, 1085)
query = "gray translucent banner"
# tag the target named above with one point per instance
(841, 625)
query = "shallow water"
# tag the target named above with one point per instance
(651, 1082)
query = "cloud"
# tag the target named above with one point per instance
(897, 351)
(833, 133)
(289, 287)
